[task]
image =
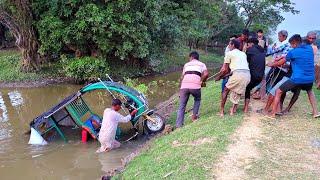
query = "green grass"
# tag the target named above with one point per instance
(10, 67)
(286, 145)
(10, 63)
(176, 154)
(178, 57)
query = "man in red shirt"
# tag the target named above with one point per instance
(243, 39)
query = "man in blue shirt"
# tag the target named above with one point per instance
(302, 63)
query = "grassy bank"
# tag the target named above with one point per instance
(9, 64)
(172, 60)
(177, 58)
(10, 68)
(290, 145)
(189, 152)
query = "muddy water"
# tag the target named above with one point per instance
(73, 160)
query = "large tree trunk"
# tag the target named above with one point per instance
(20, 24)
(2, 35)
(29, 49)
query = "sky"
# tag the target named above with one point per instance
(307, 20)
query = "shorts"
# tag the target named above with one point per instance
(272, 91)
(289, 85)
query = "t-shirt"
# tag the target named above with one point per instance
(237, 60)
(281, 49)
(257, 60)
(109, 126)
(302, 63)
(192, 80)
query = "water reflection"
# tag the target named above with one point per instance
(3, 110)
(15, 98)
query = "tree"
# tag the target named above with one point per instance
(18, 17)
(122, 30)
(263, 14)
(206, 20)
(2, 35)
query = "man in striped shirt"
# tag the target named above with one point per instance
(193, 77)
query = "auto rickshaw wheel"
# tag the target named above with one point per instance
(154, 127)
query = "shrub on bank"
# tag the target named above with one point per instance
(86, 68)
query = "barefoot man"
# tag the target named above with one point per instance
(236, 61)
(302, 62)
(110, 121)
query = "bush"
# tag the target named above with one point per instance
(86, 68)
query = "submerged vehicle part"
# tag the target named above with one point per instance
(74, 113)
(36, 138)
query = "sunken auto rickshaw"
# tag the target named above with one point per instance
(74, 114)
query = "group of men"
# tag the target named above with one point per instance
(245, 68)
(292, 68)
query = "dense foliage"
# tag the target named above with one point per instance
(132, 33)
(86, 68)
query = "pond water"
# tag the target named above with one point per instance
(58, 160)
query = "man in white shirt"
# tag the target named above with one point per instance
(111, 119)
(236, 61)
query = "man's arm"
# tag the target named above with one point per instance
(181, 78)
(223, 72)
(204, 76)
(127, 118)
(277, 62)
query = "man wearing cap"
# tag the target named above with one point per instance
(111, 119)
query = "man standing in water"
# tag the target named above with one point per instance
(110, 121)
(193, 77)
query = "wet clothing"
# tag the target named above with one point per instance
(184, 97)
(302, 62)
(107, 133)
(192, 72)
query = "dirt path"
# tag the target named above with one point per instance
(286, 148)
(243, 152)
